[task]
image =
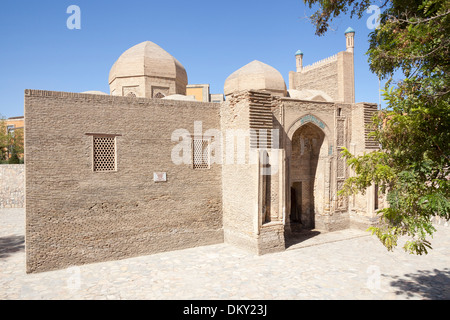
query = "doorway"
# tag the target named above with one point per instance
(306, 176)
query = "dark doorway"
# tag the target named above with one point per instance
(306, 185)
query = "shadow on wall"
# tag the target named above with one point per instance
(10, 245)
(433, 285)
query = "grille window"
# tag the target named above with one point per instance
(104, 154)
(201, 154)
(159, 95)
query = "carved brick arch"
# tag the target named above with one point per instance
(308, 172)
(310, 118)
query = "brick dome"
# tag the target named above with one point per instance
(256, 76)
(152, 63)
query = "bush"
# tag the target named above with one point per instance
(14, 159)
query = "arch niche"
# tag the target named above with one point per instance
(308, 152)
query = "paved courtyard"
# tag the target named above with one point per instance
(348, 264)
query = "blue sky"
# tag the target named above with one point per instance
(210, 38)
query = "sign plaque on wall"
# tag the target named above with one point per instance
(160, 176)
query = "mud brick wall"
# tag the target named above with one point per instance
(321, 77)
(76, 216)
(12, 186)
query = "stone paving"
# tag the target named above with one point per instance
(348, 264)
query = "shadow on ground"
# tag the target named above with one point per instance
(300, 236)
(10, 245)
(433, 285)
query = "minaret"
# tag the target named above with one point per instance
(350, 39)
(346, 69)
(299, 59)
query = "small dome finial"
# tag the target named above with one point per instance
(350, 39)
(299, 53)
(349, 30)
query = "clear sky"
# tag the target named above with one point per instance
(210, 38)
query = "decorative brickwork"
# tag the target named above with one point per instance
(261, 120)
(369, 111)
(201, 153)
(104, 151)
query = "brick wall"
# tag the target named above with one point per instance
(12, 186)
(333, 75)
(76, 216)
(322, 77)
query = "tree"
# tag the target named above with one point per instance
(3, 140)
(11, 143)
(16, 146)
(412, 166)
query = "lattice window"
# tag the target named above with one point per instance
(159, 95)
(201, 153)
(369, 111)
(340, 164)
(340, 140)
(131, 95)
(104, 154)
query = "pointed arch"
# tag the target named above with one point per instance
(309, 149)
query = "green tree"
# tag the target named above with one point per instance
(413, 165)
(3, 140)
(16, 147)
(11, 143)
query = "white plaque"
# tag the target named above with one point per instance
(160, 176)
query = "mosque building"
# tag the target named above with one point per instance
(159, 164)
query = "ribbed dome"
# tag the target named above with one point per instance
(148, 59)
(256, 76)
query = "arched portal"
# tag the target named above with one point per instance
(307, 175)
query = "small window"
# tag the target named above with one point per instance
(201, 153)
(104, 151)
(159, 95)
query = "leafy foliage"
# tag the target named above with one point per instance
(413, 165)
(11, 144)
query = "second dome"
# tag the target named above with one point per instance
(256, 76)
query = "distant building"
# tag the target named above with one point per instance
(11, 126)
(14, 123)
(201, 93)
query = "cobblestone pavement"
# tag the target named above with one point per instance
(347, 264)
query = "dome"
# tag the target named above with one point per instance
(148, 65)
(256, 76)
(96, 92)
(147, 59)
(180, 97)
(299, 53)
(349, 30)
